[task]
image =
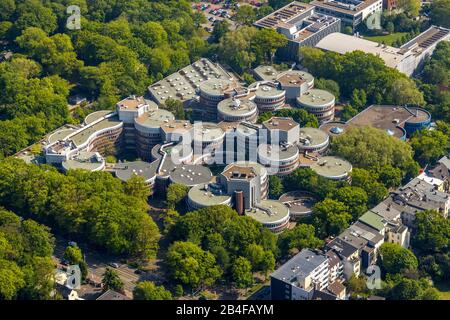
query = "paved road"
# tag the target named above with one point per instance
(97, 264)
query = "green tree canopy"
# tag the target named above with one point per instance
(331, 217)
(440, 11)
(147, 290)
(242, 273)
(190, 265)
(355, 198)
(396, 259)
(175, 193)
(112, 281)
(302, 236)
(368, 147)
(429, 146)
(73, 255)
(432, 231)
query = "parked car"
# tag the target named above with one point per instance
(114, 265)
(72, 244)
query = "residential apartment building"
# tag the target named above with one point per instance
(305, 277)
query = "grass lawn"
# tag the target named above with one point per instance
(388, 39)
(444, 289)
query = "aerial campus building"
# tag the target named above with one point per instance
(215, 95)
(350, 12)
(176, 151)
(396, 121)
(318, 102)
(183, 85)
(408, 59)
(301, 24)
(299, 91)
(244, 186)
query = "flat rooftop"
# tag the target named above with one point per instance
(208, 131)
(298, 202)
(284, 15)
(155, 118)
(237, 172)
(127, 170)
(83, 135)
(268, 211)
(266, 73)
(316, 98)
(60, 135)
(276, 152)
(266, 90)
(190, 175)
(343, 43)
(208, 195)
(300, 266)
(310, 137)
(217, 87)
(91, 161)
(178, 126)
(258, 168)
(426, 39)
(131, 103)
(332, 167)
(247, 129)
(237, 107)
(334, 128)
(94, 116)
(350, 7)
(295, 78)
(228, 126)
(182, 85)
(389, 118)
(280, 123)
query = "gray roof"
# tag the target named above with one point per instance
(387, 211)
(300, 265)
(112, 295)
(182, 85)
(127, 170)
(343, 248)
(332, 167)
(445, 161)
(190, 175)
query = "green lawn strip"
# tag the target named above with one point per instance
(387, 39)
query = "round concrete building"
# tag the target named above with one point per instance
(237, 110)
(334, 128)
(333, 168)
(300, 203)
(313, 140)
(318, 102)
(267, 96)
(271, 214)
(190, 175)
(206, 195)
(278, 160)
(90, 161)
(148, 130)
(212, 92)
(208, 134)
